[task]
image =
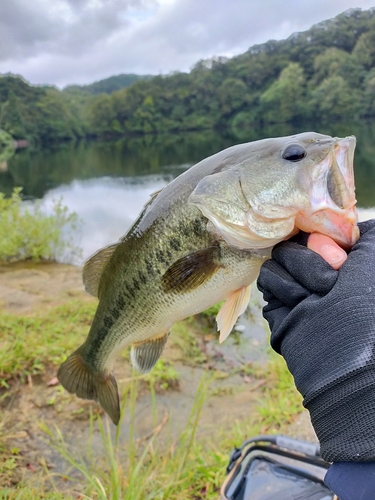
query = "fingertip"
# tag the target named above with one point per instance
(328, 249)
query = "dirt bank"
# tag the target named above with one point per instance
(27, 288)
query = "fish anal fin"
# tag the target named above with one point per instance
(77, 378)
(233, 307)
(93, 269)
(144, 355)
(192, 270)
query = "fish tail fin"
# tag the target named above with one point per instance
(76, 377)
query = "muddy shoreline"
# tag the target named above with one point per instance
(39, 401)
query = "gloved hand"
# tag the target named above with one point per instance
(322, 321)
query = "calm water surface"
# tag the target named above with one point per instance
(107, 183)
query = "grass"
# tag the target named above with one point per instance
(189, 467)
(28, 344)
(33, 494)
(27, 232)
(163, 376)
(137, 469)
(182, 336)
(280, 401)
(186, 466)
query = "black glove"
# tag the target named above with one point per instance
(322, 321)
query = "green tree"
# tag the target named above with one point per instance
(145, 117)
(55, 121)
(11, 119)
(232, 95)
(334, 61)
(325, 72)
(283, 100)
(333, 99)
(364, 50)
(368, 98)
(102, 117)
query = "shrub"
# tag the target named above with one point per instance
(29, 233)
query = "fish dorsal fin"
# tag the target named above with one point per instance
(192, 270)
(153, 196)
(151, 200)
(93, 269)
(145, 354)
(145, 207)
(233, 307)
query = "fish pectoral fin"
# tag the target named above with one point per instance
(233, 307)
(93, 269)
(192, 270)
(76, 377)
(144, 355)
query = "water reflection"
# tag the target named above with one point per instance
(106, 206)
(107, 183)
(40, 170)
(7, 149)
(37, 171)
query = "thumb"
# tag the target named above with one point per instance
(328, 249)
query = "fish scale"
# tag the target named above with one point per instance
(202, 240)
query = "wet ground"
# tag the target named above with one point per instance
(25, 288)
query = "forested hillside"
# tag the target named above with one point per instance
(108, 85)
(326, 73)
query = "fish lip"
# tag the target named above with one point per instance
(341, 226)
(334, 215)
(344, 154)
(338, 162)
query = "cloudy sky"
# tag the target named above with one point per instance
(80, 41)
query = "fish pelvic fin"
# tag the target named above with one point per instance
(77, 378)
(233, 307)
(144, 355)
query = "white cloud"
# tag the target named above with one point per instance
(79, 41)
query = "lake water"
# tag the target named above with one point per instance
(107, 182)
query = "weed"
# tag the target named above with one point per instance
(26, 493)
(163, 376)
(154, 467)
(184, 338)
(186, 468)
(29, 233)
(29, 344)
(280, 401)
(134, 469)
(224, 390)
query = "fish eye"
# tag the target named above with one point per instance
(294, 152)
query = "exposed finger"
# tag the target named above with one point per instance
(328, 249)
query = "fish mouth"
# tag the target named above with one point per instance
(332, 208)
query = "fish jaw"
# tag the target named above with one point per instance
(340, 226)
(332, 209)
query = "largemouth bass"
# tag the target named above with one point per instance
(202, 239)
